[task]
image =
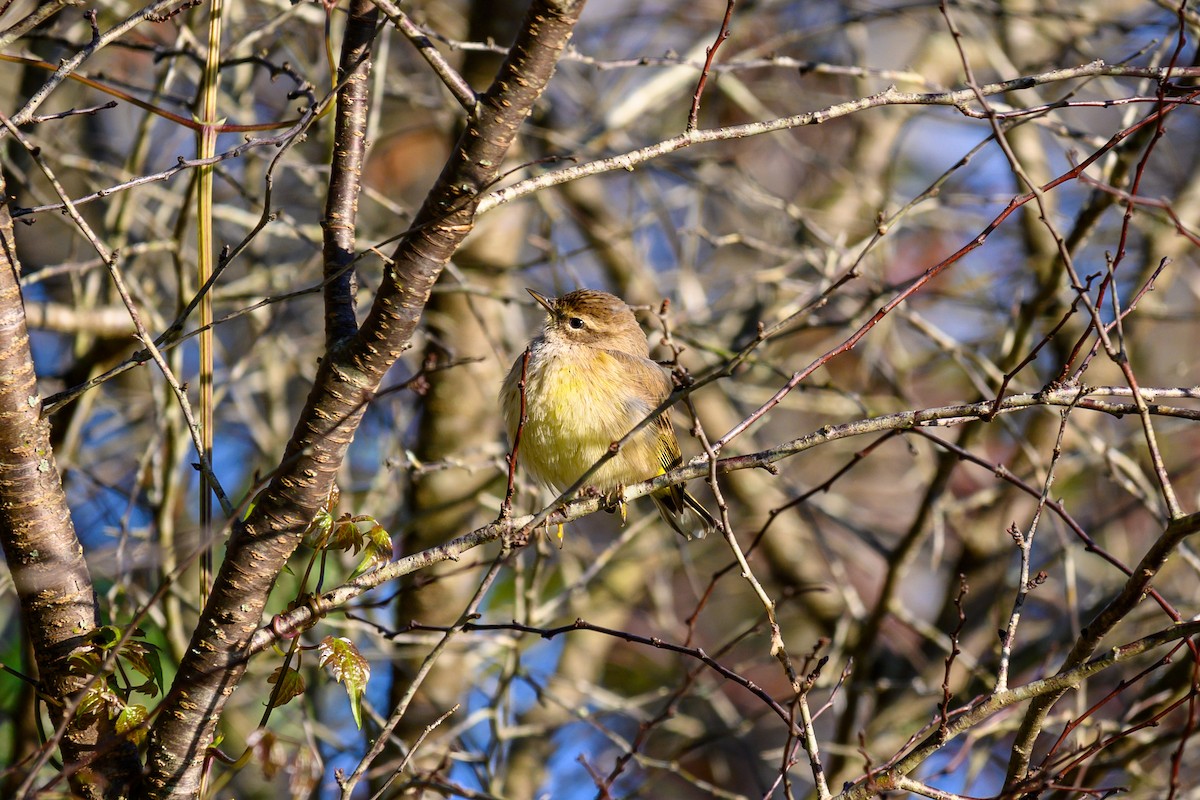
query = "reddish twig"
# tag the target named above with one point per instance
(1017, 202)
(649, 641)
(1121, 686)
(178, 119)
(1041, 778)
(1090, 544)
(1189, 728)
(1029, 358)
(1078, 373)
(944, 707)
(709, 54)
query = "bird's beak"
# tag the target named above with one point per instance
(546, 302)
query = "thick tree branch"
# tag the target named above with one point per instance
(345, 381)
(53, 583)
(345, 182)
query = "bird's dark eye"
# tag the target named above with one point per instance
(576, 323)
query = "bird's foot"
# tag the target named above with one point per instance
(615, 500)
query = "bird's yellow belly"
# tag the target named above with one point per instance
(574, 416)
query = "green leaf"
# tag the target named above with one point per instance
(143, 657)
(155, 663)
(85, 662)
(97, 698)
(106, 636)
(346, 535)
(291, 685)
(378, 550)
(349, 667)
(317, 535)
(129, 722)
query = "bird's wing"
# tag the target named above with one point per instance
(652, 382)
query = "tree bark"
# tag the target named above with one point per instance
(53, 583)
(347, 378)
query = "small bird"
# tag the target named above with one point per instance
(590, 381)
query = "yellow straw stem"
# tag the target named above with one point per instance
(207, 148)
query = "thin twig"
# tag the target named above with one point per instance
(90, 111)
(110, 260)
(470, 613)
(915, 421)
(888, 778)
(928, 275)
(649, 641)
(458, 86)
(888, 97)
(1024, 543)
(709, 54)
(413, 750)
(947, 695)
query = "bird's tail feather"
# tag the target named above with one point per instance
(684, 513)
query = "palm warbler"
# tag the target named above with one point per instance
(588, 382)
